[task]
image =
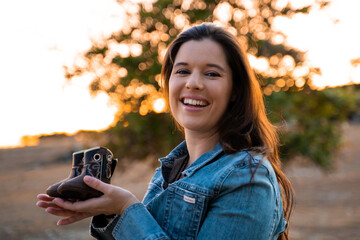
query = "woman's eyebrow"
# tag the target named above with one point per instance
(215, 66)
(208, 64)
(181, 64)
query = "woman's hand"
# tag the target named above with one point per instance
(114, 201)
(50, 207)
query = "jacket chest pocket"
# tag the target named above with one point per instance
(183, 213)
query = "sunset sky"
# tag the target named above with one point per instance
(39, 37)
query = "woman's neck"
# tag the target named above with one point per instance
(198, 144)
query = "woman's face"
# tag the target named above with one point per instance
(200, 86)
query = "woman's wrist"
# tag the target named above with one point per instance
(130, 201)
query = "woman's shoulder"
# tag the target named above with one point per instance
(247, 167)
(246, 159)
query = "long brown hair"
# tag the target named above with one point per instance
(245, 125)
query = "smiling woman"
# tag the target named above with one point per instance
(224, 181)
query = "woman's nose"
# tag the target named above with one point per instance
(195, 81)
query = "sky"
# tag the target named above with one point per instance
(330, 39)
(39, 37)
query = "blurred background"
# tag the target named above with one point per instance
(78, 74)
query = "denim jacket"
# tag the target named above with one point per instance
(213, 200)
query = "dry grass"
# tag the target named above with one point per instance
(328, 203)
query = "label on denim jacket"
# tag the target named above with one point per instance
(189, 199)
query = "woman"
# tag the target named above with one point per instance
(224, 181)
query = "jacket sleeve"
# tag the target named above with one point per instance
(134, 224)
(244, 211)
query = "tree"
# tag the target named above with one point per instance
(126, 66)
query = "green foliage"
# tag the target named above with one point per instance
(310, 121)
(311, 118)
(138, 136)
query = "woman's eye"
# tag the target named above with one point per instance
(213, 74)
(182, 71)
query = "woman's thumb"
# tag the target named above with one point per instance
(95, 183)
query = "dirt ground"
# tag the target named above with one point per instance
(327, 203)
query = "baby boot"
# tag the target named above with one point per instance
(98, 163)
(76, 168)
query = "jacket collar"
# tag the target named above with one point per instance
(181, 150)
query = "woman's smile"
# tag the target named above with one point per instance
(194, 103)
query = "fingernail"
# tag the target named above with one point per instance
(87, 179)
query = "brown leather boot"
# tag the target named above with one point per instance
(76, 168)
(98, 163)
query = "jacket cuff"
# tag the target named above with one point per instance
(136, 222)
(102, 226)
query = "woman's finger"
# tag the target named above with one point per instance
(75, 218)
(73, 206)
(96, 184)
(44, 204)
(63, 203)
(79, 206)
(44, 197)
(60, 212)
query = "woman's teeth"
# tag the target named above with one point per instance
(194, 102)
